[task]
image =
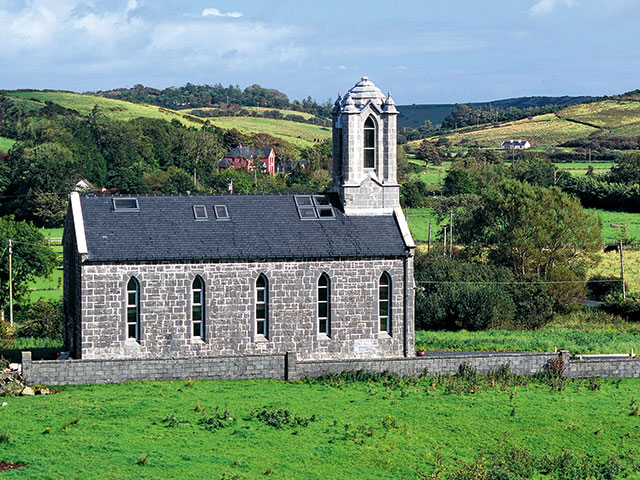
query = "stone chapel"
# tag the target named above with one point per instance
(327, 276)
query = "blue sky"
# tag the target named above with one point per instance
(423, 51)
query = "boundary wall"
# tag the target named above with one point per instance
(288, 367)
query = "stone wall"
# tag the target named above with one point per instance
(230, 330)
(79, 372)
(288, 366)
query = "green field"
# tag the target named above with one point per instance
(301, 134)
(580, 168)
(580, 332)
(541, 131)
(376, 429)
(609, 115)
(113, 108)
(630, 220)
(6, 144)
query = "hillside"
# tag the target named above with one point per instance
(615, 117)
(542, 131)
(413, 116)
(113, 108)
(300, 134)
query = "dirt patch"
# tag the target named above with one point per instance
(10, 466)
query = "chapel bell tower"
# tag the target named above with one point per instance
(364, 151)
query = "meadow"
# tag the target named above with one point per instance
(113, 108)
(611, 115)
(581, 332)
(541, 131)
(300, 134)
(341, 428)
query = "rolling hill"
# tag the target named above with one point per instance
(299, 134)
(415, 115)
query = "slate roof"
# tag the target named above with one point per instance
(259, 227)
(248, 152)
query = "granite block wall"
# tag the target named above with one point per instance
(230, 327)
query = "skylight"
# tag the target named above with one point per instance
(200, 212)
(314, 207)
(221, 212)
(125, 204)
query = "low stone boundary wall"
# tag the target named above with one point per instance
(288, 367)
(440, 363)
(608, 367)
(78, 372)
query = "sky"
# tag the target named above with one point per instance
(422, 51)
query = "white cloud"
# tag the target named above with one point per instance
(214, 12)
(544, 7)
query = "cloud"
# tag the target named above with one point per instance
(545, 7)
(214, 12)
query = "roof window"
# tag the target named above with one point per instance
(125, 204)
(221, 212)
(314, 207)
(200, 212)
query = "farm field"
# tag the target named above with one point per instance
(301, 134)
(580, 168)
(580, 332)
(113, 108)
(631, 220)
(6, 144)
(609, 266)
(607, 114)
(541, 131)
(341, 429)
(257, 109)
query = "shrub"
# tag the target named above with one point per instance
(604, 288)
(43, 319)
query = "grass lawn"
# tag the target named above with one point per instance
(630, 220)
(319, 430)
(419, 219)
(577, 332)
(41, 348)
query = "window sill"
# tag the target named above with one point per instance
(260, 339)
(384, 336)
(323, 337)
(132, 342)
(198, 340)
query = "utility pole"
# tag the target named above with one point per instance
(444, 241)
(451, 234)
(10, 282)
(429, 239)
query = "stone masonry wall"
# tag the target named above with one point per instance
(62, 372)
(165, 310)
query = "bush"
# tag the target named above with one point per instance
(629, 309)
(604, 288)
(458, 294)
(43, 319)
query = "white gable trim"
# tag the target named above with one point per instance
(404, 228)
(78, 223)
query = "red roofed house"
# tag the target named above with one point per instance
(243, 158)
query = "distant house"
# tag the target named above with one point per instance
(84, 186)
(515, 145)
(244, 158)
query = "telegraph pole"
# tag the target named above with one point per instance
(451, 234)
(10, 283)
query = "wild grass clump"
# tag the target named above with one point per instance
(217, 421)
(279, 417)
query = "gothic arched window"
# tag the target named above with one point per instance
(133, 309)
(384, 302)
(324, 304)
(369, 143)
(197, 307)
(262, 306)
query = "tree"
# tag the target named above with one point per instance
(536, 169)
(532, 230)
(458, 182)
(626, 170)
(31, 257)
(428, 152)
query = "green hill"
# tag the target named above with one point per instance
(415, 115)
(300, 134)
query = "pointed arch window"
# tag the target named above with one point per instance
(133, 309)
(262, 306)
(369, 143)
(197, 307)
(384, 302)
(324, 304)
